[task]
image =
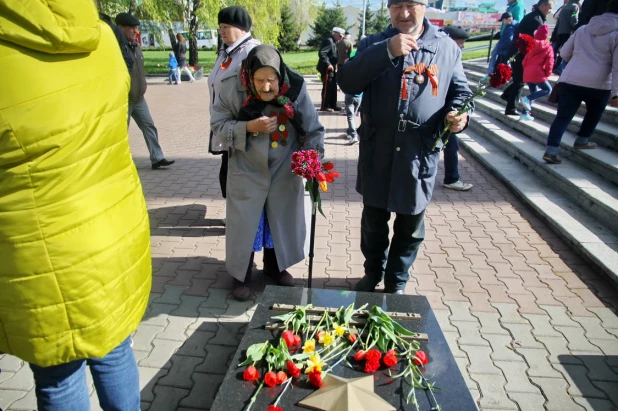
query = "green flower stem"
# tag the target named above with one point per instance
(332, 353)
(317, 327)
(287, 384)
(480, 89)
(254, 397)
(343, 357)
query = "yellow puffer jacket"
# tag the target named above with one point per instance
(75, 268)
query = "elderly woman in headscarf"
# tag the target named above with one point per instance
(263, 114)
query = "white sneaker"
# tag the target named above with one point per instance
(459, 186)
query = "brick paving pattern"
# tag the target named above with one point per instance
(531, 325)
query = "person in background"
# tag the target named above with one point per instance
(537, 66)
(344, 49)
(517, 9)
(264, 113)
(172, 64)
(565, 26)
(181, 54)
(451, 156)
(500, 52)
(327, 64)
(74, 234)
(402, 115)
(352, 104)
(594, 45)
(138, 107)
(236, 43)
(530, 23)
(591, 8)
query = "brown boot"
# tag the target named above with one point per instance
(240, 289)
(271, 269)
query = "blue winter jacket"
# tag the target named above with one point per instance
(506, 38)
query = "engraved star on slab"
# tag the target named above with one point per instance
(341, 394)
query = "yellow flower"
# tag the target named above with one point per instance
(339, 330)
(326, 339)
(314, 363)
(309, 346)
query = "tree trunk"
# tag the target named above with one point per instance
(193, 49)
(131, 6)
(173, 41)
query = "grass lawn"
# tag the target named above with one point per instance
(155, 62)
(303, 62)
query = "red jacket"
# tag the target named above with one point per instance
(538, 64)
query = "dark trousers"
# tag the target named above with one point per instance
(513, 92)
(329, 90)
(223, 173)
(570, 97)
(451, 161)
(394, 262)
(561, 39)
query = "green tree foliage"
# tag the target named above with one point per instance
(327, 19)
(289, 30)
(369, 16)
(380, 21)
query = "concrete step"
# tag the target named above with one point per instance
(601, 160)
(588, 236)
(475, 71)
(590, 191)
(605, 134)
(610, 115)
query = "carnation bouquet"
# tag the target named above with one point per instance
(501, 75)
(310, 346)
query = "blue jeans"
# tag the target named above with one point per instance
(451, 161)
(351, 108)
(570, 97)
(494, 60)
(538, 90)
(395, 262)
(116, 379)
(173, 75)
(141, 114)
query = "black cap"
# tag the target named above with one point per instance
(126, 19)
(235, 16)
(506, 15)
(456, 32)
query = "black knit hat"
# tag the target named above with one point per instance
(235, 16)
(126, 19)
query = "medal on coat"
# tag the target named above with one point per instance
(421, 70)
(280, 136)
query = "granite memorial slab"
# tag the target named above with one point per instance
(442, 370)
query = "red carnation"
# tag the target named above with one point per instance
(501, 75)
(524, 43)
(420, 358)
(273, 408)
(293, 369)
(270, 379)
(373, 355)
(281, 377)
(371, 366)
(315, 378)
(251, 374)
(360, 355)
(288, 337)
(390, 359)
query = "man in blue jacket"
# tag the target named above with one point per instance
(413, 84)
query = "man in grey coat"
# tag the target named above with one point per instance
(405, 106)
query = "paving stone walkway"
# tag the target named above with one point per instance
(531, 325)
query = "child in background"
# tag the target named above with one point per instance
(172, 64)
(538, 65)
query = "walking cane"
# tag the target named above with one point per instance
(314, 209)
(325, 93)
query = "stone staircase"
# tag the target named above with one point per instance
(578, 198)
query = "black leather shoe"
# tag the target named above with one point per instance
(513, 112)
(367, 284)
(337, 109)
(162, 163)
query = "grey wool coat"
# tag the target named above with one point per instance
(259, 177)
(397, 163)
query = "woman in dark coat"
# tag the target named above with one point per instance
(181, 57)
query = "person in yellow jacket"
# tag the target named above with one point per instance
(75, 268)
